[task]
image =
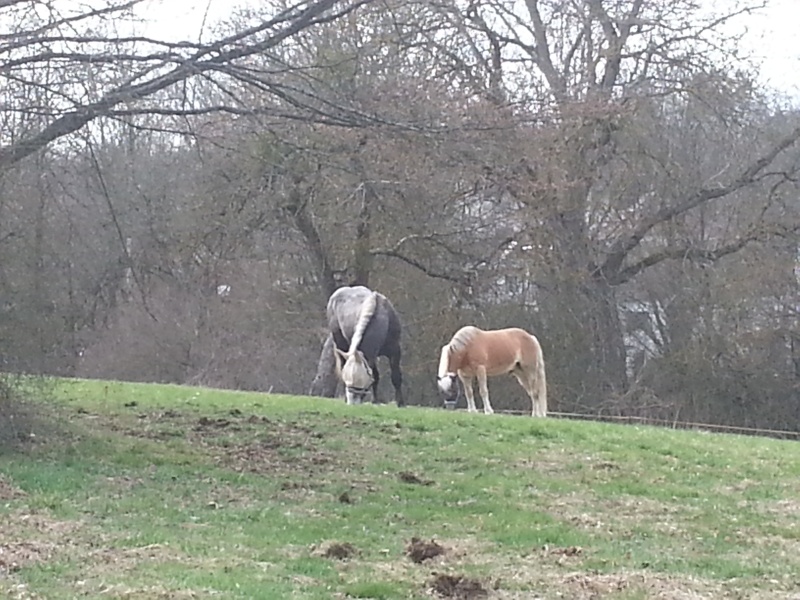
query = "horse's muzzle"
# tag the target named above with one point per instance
(356, 395)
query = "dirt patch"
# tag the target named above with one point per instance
(457, 586)
(409, 477)
(599, 585)
(340, 551)
(782, 508)
(419, 550)
(277, 447)
(8, 491)
(205, 422)
(568, 551)
(274, 455)
(567, 555)
(15, 555)
(29, 538)
(605, 466)
(22, 525)
(591, 586)
(242, 442)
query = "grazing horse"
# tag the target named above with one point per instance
(475, 353)
(364, 325)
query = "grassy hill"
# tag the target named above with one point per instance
(174, 492)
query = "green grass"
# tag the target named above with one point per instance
(174, 492)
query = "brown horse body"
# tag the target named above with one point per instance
(473, 353)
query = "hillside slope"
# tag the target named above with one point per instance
(176, 492)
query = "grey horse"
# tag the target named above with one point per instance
(364, 325)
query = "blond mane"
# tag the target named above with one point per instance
(457, 343)
(463, 337)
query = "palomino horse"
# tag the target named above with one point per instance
(364, 325)
(474, 353)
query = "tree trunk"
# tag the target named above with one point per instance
(583, 304)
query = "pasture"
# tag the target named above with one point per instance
(148, 491)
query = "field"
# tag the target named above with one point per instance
(148, 491)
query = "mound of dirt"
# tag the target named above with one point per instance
(340, 551)
(419, 550)
(457, 586)
(204, 422)
(409, 477)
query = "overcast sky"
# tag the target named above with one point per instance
(771, 38)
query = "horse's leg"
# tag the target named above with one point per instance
(527, 381)
(397, 378)
(484, 389)
(376, 377)
(467, 383)
(540, 393)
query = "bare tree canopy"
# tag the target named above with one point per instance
(84, 75)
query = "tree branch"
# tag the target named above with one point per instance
(612, 266)
(461, 279)
(211, 57)
(543, 58)
(699, 254)
(616, 39)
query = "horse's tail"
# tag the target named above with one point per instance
(541, 378)
(368, 309)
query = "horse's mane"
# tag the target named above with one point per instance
(458, 342)
(462, 337)
(368, 309)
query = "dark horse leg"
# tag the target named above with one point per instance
(376, 377)
(397, 377)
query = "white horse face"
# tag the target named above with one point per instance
(448, 386)
(357, 377)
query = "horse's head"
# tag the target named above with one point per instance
(448, 387)
(356, 376)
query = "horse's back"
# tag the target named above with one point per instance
(498, 350)
(382, 334)
(344, 308)
(345, 303)
(526, 342)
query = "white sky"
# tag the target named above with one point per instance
(772, 38)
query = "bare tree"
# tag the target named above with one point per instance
(88, 75)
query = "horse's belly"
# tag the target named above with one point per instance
(496, 368)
